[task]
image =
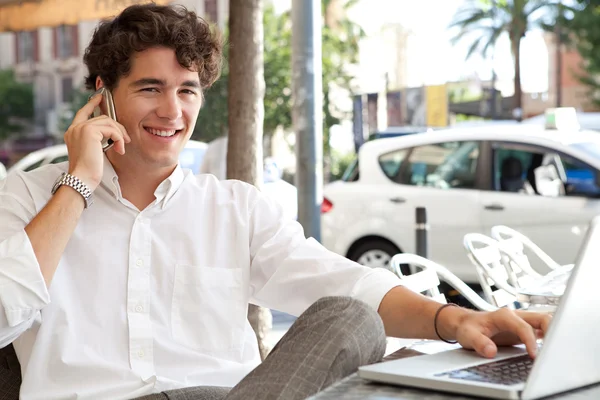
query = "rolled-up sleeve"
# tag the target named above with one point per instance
(289, 272)
(23, 292)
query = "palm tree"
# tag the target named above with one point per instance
(485, 21)
(246, 88)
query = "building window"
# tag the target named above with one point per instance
(66, 41)
(210, 10)
(67, 89)
(26, 46)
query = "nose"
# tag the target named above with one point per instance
(169, 107)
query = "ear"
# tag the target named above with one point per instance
(99, 83)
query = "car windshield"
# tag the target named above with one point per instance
(590, 148)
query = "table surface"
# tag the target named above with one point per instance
(354, 387)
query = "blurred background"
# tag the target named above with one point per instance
(386, 63)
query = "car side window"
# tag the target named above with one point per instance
(443, 165)
(581, 178)
(390, 163)
(514, 169)
(542, 171)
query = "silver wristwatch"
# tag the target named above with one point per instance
(75, 183)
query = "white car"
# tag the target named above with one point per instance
(542, 182)
(191, 157)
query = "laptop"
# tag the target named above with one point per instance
(568, 359)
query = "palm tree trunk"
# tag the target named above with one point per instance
(246, 115)
(326, 139)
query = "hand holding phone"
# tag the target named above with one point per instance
(106, 107)
(84, 135)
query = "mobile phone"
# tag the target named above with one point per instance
(106, 107)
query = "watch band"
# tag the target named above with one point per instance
(75, 183)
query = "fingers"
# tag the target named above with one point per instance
(509, 321)
(108, 128)
(84, 112)
(83, 116)
(102, 128)
(114, 133)
(484, 331)
(481, 343)
(124, 131)
(539, 321)
(104, 120)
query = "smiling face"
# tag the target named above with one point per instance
(158, 104)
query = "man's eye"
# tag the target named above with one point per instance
(187, 91)
(149, 90)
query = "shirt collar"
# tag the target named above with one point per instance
(167, 188)
(163, 193)
(110, 179)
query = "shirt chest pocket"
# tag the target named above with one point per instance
(208, 312)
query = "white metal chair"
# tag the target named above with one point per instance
(516, 243)
(500, 284)
(427, 280)
(495, 280)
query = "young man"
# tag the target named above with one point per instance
(121, 275)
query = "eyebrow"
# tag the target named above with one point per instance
(161, 82)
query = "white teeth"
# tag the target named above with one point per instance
(161, 133)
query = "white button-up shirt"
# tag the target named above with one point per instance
(152, 300)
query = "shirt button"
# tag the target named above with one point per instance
(139, 262)
(141, 354)
(139, 308)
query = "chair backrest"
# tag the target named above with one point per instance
(424, 280)
(486, 255)
(517, 243)
(427, 280)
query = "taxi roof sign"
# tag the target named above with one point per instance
(562, 118)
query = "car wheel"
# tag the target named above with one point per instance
(377, 254)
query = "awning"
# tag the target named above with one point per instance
(25, 15)
(7, 2)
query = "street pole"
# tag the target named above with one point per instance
(558, 33)
(493, 94)
(307, 112)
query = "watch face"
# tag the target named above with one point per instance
(58, 182)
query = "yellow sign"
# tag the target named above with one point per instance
(26, 16)
(437, 105)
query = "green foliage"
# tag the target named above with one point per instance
(213, 117)
(459, 94)
(482, 22)
(581, 23)
(340, 49)
(16, 105)
(79, 99)
(277, 70)
(339, 164)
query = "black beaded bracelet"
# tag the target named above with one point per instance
(435, 323)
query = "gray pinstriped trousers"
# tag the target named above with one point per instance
(328, 342)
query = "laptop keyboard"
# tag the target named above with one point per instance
(504, 372)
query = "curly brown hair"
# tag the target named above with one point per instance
(144, 26)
